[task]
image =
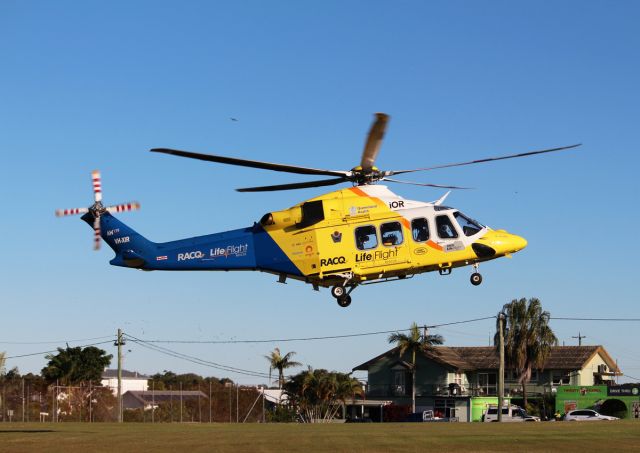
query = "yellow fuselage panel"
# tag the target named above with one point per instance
(327, 250)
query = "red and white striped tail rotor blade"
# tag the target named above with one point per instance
(124, 207)
(74, 211)
(97, 185)
(96, 233)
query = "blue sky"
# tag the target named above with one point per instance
(88, 85)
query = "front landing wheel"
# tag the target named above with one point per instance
(476, 279)
(344, 301)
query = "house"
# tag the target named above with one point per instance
(461, 381)
(131, 380)
(134, 399)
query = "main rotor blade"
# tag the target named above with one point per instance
(251, 163)
(489, 159)
(374, 140)
(296, 185)
(439, 186)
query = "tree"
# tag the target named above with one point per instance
(318, 395)
(280, 362)
(71, 366)
(527, 338)
(415, 341)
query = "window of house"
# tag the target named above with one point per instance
(445, 227)
(391, 233)
(560, 378)
(457, 379)
(488, 383)
(420, 229)
(399, 383)
(366, 237)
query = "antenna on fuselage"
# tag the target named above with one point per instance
(440, 200)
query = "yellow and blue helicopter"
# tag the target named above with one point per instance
(349, 237)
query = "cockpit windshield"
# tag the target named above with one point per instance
(468, 225)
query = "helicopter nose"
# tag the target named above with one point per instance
(498, 243)
(506, 243)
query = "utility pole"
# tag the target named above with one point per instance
(579, 337)
(501, 369)
(119, 343)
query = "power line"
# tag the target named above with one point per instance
(55, 341)
(598, 319)
(195, 360)
(328, 337)
(55, 350)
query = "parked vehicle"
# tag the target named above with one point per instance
(586, 415)
(511, 413)
(428, 416)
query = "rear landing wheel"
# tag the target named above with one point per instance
(476, 279)
(338, 291)
(344, 301)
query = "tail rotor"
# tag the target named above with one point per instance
(97, 209)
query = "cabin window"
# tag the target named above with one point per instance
(366, 237)
(420, 230)
(391, 233)
(445, 227)
(469, 226)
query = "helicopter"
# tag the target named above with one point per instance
(360, 235)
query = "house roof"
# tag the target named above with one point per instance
(113, 373)
(159, 396)
(470, 358)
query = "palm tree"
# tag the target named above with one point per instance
(527, 339)
(280, 362)
(414, 341)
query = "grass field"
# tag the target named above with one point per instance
(370, 437)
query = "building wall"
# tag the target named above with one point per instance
(127, 384)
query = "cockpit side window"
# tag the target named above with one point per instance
(469, 226)
(445, 227)
(391, 233)
(366, 237)
(420, 229)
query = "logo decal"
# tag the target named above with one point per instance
(230, 250)
(336, 236)
(190, 255)
(332, 261)
(161, 258)
(396, 204)
(420, 251)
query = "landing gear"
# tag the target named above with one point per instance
(338, 291)
(344, 301)
(476, 278)
(341, 293)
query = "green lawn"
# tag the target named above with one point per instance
(369, 437)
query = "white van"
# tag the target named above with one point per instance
(511, 413)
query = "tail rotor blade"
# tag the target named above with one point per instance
(374, 140)
(133, 206)
(74, 211)
(96, 233)
(97, 185)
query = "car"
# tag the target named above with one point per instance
(586, 415)
(512, 413)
